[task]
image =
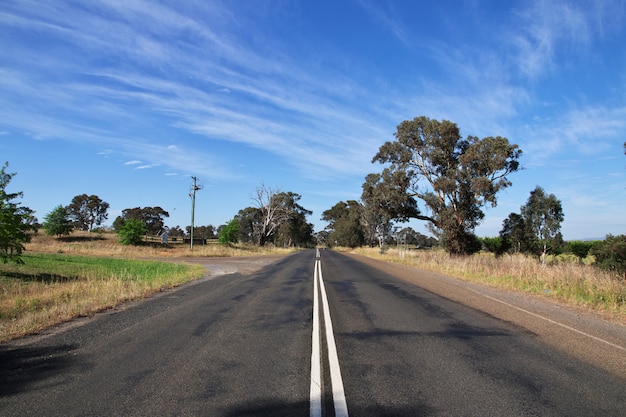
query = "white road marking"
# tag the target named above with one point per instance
(316, 377)
(339, 396)
(551, 321)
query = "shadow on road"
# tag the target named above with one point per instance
(21, 367)
(278, 409)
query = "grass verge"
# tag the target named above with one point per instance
(569, 282)
(52, 288)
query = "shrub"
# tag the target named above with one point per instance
(579, 248)
(228, 234)
(610, 254)
(132, 232)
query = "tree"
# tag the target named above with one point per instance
(86, 211)
(294, 230)
(610, 254)
(132, 232)
(15, 221)
(205, 232)
(228, 233)
(542, 216)
(344, 224)
(249, 219)
(152, 217)
(57, 222)
(274, 212)
(514, 234)
(383, 199)
(454, 177)
(277, 218)
(175, 232)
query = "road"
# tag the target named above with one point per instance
(243, 345)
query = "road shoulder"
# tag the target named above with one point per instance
(579, 333)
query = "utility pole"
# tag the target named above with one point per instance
(193, 207)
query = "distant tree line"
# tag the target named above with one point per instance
(350, 225)
(275, 218)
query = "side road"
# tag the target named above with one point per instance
(581, 334)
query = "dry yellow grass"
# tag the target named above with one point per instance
(569, 282)
(37, 305)
(107, 244)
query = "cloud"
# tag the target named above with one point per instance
(544, 31)
(134, 162)
(199, 78)
(588, 130)
(389, 19)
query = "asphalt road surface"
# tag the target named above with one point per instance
(243, 344)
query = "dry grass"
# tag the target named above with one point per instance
(569, 282)
(107, 244)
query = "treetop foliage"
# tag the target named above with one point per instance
(345, 227)
(152, 217)
(87, 211)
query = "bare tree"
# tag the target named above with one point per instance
(274, 212)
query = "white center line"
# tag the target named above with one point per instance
(339, 396)
(316, 377)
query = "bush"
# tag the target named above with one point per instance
(228, 234)
(132, 232)
(610, 254)
(496, 245)
(579, 248)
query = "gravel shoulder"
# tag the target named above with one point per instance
(216, 266)
(579, 333)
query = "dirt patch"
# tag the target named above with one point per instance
(216, 266)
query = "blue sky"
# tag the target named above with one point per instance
(130, 99)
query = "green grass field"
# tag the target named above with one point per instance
(51, 288)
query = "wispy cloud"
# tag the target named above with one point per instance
(590, 130)
(146, 166)
(285, 112)
(546, 30)
(385, 14)
(196, 75)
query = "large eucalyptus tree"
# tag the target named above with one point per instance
(454, 177)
